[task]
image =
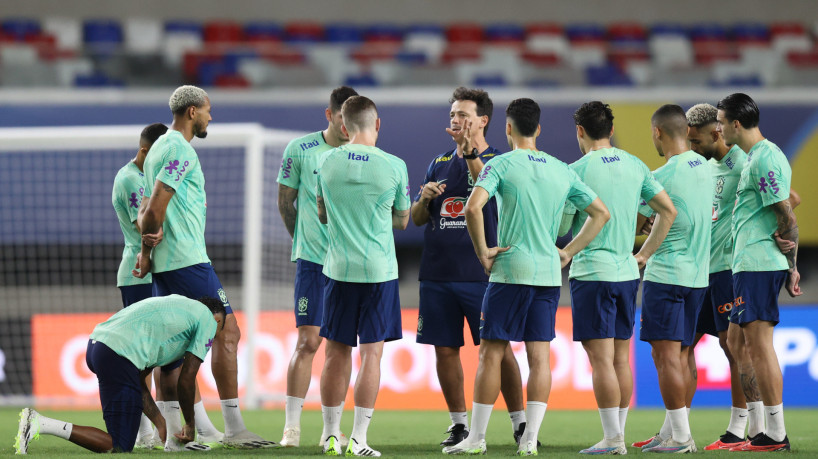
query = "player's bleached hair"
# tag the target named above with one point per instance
(701, 115)
(185, 97)
(359, 113)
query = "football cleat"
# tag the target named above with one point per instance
(173, 445)
(611, 446)
(672, 446)
(291, 437)
(465, 449)
(518, 434)
(248, 440)
(527, 449)
(640, 444)
(457, 433)
(332, 446)
(213, 441)
(355, 449)
(726, 441)
(342, 440)
(28, 430)
(763, 443)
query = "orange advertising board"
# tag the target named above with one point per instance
(408, 376)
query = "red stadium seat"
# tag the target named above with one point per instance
(222, 32)
(627, 31)
(803, 58)
(461, 52)
(464, 33)
(787, 28)
(543, 28)
(541, 59)
(231, 81)
(708, 51)
(304, 32)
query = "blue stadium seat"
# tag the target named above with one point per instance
(358, 81)
(21, 28)
(422, 28)
(752, 32)
(101, 32)
(489, 80)
(263, 31)
(191, 27)
(585, 32)
(384, 32)
(411, 57)
(504, 33)
(713, 31)
(344, 33)
(96, 80)
(607, 75)
(668, 28)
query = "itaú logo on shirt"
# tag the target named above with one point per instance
(453, 207)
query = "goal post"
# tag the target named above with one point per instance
(60, 245)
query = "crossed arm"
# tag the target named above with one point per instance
(150, 220)
(788, 231)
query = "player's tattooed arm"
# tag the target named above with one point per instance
(149, 407)
(286, 207)
(400, 219)
(322, 211)
(787, 229)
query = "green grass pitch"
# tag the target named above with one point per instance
(417, 433)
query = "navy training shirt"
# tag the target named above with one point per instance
(448, 253)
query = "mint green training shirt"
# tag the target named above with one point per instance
(173, 161)
(158, 331)
(298, 171)
(726, 175)
(531, 188)
(621, 181)
(126, 196)
(684, 256)
(360, 186)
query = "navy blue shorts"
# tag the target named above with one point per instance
(309, 293)
(443, 305)
(669, 312)
(133, 293)
(120, 393)
(193, 282)
(757, 296)
(603, 309)
(717, 304)
(355, 312)
(514, 312)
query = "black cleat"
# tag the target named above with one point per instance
(518, 434)
(457, 433)
(763, 443)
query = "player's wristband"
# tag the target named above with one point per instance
(473, 155)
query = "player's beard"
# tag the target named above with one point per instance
(199, 130)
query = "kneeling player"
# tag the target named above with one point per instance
(157, 332)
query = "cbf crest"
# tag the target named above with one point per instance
(303, 303)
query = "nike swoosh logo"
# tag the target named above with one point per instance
(65, 427)
(232, 406)
(741, 312)
(773, 414)
(314, 171)
(369, 417)
(176, 407)
(742, 416)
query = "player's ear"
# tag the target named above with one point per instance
(580, 131)
(328, 114)
(344, 130)
(537, 134)
(612, 132)
(508, 128)
(377, 124)
(191, 111)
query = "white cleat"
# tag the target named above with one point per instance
(355, 449)
(332, 446)
(28, 430)
(342, 440)
(614, 446)
(672, 446)
(172, 445)
(528, 448)
(213, 441)
(291, 437)
(467, 448)
(248, 440)
(144, 442)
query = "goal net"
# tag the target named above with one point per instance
(60, 247)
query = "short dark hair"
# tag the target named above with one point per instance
(524, 114)
(596, 118)
(741, 107)
(215, 305)
(359, 113)
(485, 107)
(671, 119)
(338, 96)
(153, 132)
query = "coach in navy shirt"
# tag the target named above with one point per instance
(452, 281)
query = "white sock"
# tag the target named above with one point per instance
(610, 422)
(755, 418)
(173, 420)
(535, 411)
(233, 422)
(623, 418)
(204, 426)
(665, 432)
(517, 418)
(292, 413)
(738, 421)
(145, 427)
(459, 417)
(361, 424)
(55, 427)
(332, 421)
(480, 415)
(679, 424)
(774, 415)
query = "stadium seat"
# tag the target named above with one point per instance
(359, 81)
(383, 33)
(216, 32)
(626, 31)
(546, 39)
(101, 37)
(482, 81)
(234, 81)
(263, 32)
(97, 79)
(461, 33)
(303, 32)
(428, 39)
(67, 32)
(181, 37)
(607, 75)
(183, 27)
(585, 33)
(753, 34)
(504, 34)
(20, 29)
(344, 33)
(143, 36)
